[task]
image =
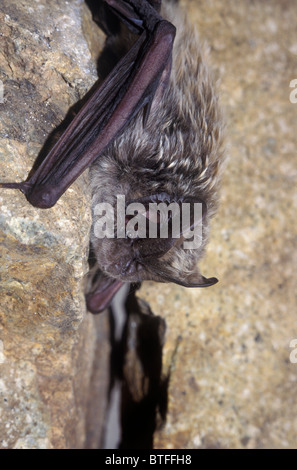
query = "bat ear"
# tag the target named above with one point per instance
(195, 280)
(102, 293)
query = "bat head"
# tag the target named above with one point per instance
(156, 237)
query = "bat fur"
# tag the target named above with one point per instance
(179, 152)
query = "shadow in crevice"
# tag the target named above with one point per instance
(119, 38)
(136, 369)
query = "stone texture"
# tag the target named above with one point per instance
(49, 346)
(232, 384)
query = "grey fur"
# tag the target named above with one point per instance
(179, 152)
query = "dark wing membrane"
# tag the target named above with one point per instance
(128, 88)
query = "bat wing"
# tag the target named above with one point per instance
(129, 87)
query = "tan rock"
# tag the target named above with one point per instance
(49, 356)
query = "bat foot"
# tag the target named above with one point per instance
(140, 14)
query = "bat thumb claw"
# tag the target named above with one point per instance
(22, 186)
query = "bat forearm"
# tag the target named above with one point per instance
(128, 88)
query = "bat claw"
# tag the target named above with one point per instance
(22, 186)
(139, 9)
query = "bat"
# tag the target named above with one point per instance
(152, 135)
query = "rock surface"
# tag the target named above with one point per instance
(48, 343)
(228, 347)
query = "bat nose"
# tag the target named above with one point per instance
(123, 268)
(129, 268)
